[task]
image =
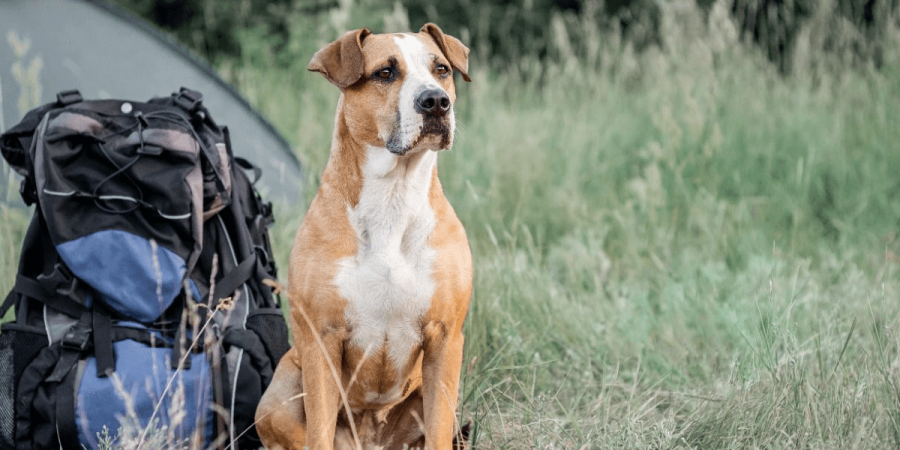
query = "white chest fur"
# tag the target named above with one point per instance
(388, 282)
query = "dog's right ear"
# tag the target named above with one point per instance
(342, 61)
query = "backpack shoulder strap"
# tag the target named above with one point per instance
(10, 300)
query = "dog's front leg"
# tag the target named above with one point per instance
(441, 364)
(321, 378)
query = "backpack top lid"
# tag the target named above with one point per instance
(123, 188)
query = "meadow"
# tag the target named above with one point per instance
(678, 248)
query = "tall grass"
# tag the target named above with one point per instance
(678, 248)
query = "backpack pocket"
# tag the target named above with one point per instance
(18, 346)
(122, 197)
(270, 326)
(259, 346)
(142, 382)
(61, 401)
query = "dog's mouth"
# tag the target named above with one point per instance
(433, 134)
(433, 125)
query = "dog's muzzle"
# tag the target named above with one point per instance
(434, 108)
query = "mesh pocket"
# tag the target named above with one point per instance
(7, 390)
(269, 325)
(28, 341)
(19, 344)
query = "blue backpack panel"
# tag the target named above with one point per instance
(143, 376)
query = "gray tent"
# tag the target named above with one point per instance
(49, 46)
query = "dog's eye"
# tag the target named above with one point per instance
(385, 73)
(442, 70)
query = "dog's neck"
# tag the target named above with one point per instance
(386, 194)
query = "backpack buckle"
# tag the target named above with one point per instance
(73, 343)
(62, 282)
(75, 340)
(66, 98)
(188, 100)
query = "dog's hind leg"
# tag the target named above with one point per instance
(404, 426)
(280, 416)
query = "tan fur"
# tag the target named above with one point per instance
(304, 406)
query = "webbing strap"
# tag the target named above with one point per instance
(191, 101)
(67, 360)
(65, 413)
(10, 300)
(138, 335)
(187, 99)
(73, 343)
(180, 347)
(247, 165)
(235, 278)
(178, 350)
(35, 290)
(103, 340)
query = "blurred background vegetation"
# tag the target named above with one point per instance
(503, 31)
(683, 214)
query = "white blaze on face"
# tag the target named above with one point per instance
(419, 78)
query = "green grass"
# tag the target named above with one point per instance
(678, 249)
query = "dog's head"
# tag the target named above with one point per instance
(398, 89)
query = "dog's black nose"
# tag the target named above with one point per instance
(433, 102)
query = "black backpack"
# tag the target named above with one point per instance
(146, 286)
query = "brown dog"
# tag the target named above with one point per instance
(381, 273)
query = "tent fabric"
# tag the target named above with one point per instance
(48, 46)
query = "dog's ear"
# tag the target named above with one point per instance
(342, 61)
(453, 49)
